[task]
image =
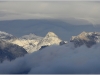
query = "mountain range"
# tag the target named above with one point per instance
(12, 47)
(33, 42)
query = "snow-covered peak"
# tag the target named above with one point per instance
(51, 34)
(31, 37)
(87, 38)
(5, 36)
(50, 39)
(33, 42)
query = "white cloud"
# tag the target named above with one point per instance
(63, 10)
(57, 60)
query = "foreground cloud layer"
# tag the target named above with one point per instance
(83, 12)
(57, 60)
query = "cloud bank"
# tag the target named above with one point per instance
(75, 12)
(56, 60)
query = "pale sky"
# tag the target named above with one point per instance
(75, 12)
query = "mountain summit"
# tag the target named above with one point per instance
(51, 34)
(87, 38)
(50, 39)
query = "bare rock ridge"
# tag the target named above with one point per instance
(86, 38)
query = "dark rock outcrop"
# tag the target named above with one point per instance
(9, 51)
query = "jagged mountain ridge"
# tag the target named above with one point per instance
(50, 39)
(28, 42)
(14, 47)
(33, 42)
(86, 38)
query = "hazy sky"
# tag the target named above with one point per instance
(75, 12)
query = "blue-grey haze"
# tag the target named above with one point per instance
(41, 27)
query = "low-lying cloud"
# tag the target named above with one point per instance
(57, 60)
